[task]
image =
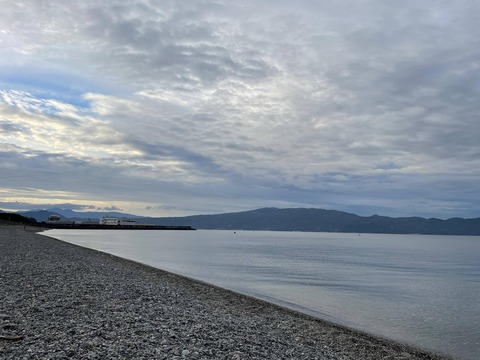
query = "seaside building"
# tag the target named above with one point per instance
(109, 221)
(57, 219)
(127, 222)
(54, 218)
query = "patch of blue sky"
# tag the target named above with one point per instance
(50, 85)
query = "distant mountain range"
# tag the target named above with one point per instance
(301, 219)
(298, 219)
(42, 215)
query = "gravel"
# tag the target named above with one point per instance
(60, 301)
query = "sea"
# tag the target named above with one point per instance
(417, 289)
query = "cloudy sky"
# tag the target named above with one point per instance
(165, 108)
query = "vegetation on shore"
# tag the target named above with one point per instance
(15, 219)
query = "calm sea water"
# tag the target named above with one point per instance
(422, 290)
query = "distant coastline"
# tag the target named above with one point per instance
(321, 220)
(294, 219)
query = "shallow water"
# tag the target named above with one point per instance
(418, 289)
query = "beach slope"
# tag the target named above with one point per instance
(59, 301)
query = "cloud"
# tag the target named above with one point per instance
(218, 105)
(111, 208)
(23, 206)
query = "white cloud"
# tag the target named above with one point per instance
(252, 103)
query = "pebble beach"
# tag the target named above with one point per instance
(60, 301)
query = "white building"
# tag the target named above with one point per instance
(108, 221)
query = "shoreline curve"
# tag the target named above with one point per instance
(68, 301)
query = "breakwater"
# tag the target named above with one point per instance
(110, 227)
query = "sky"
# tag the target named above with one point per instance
(172, 108)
